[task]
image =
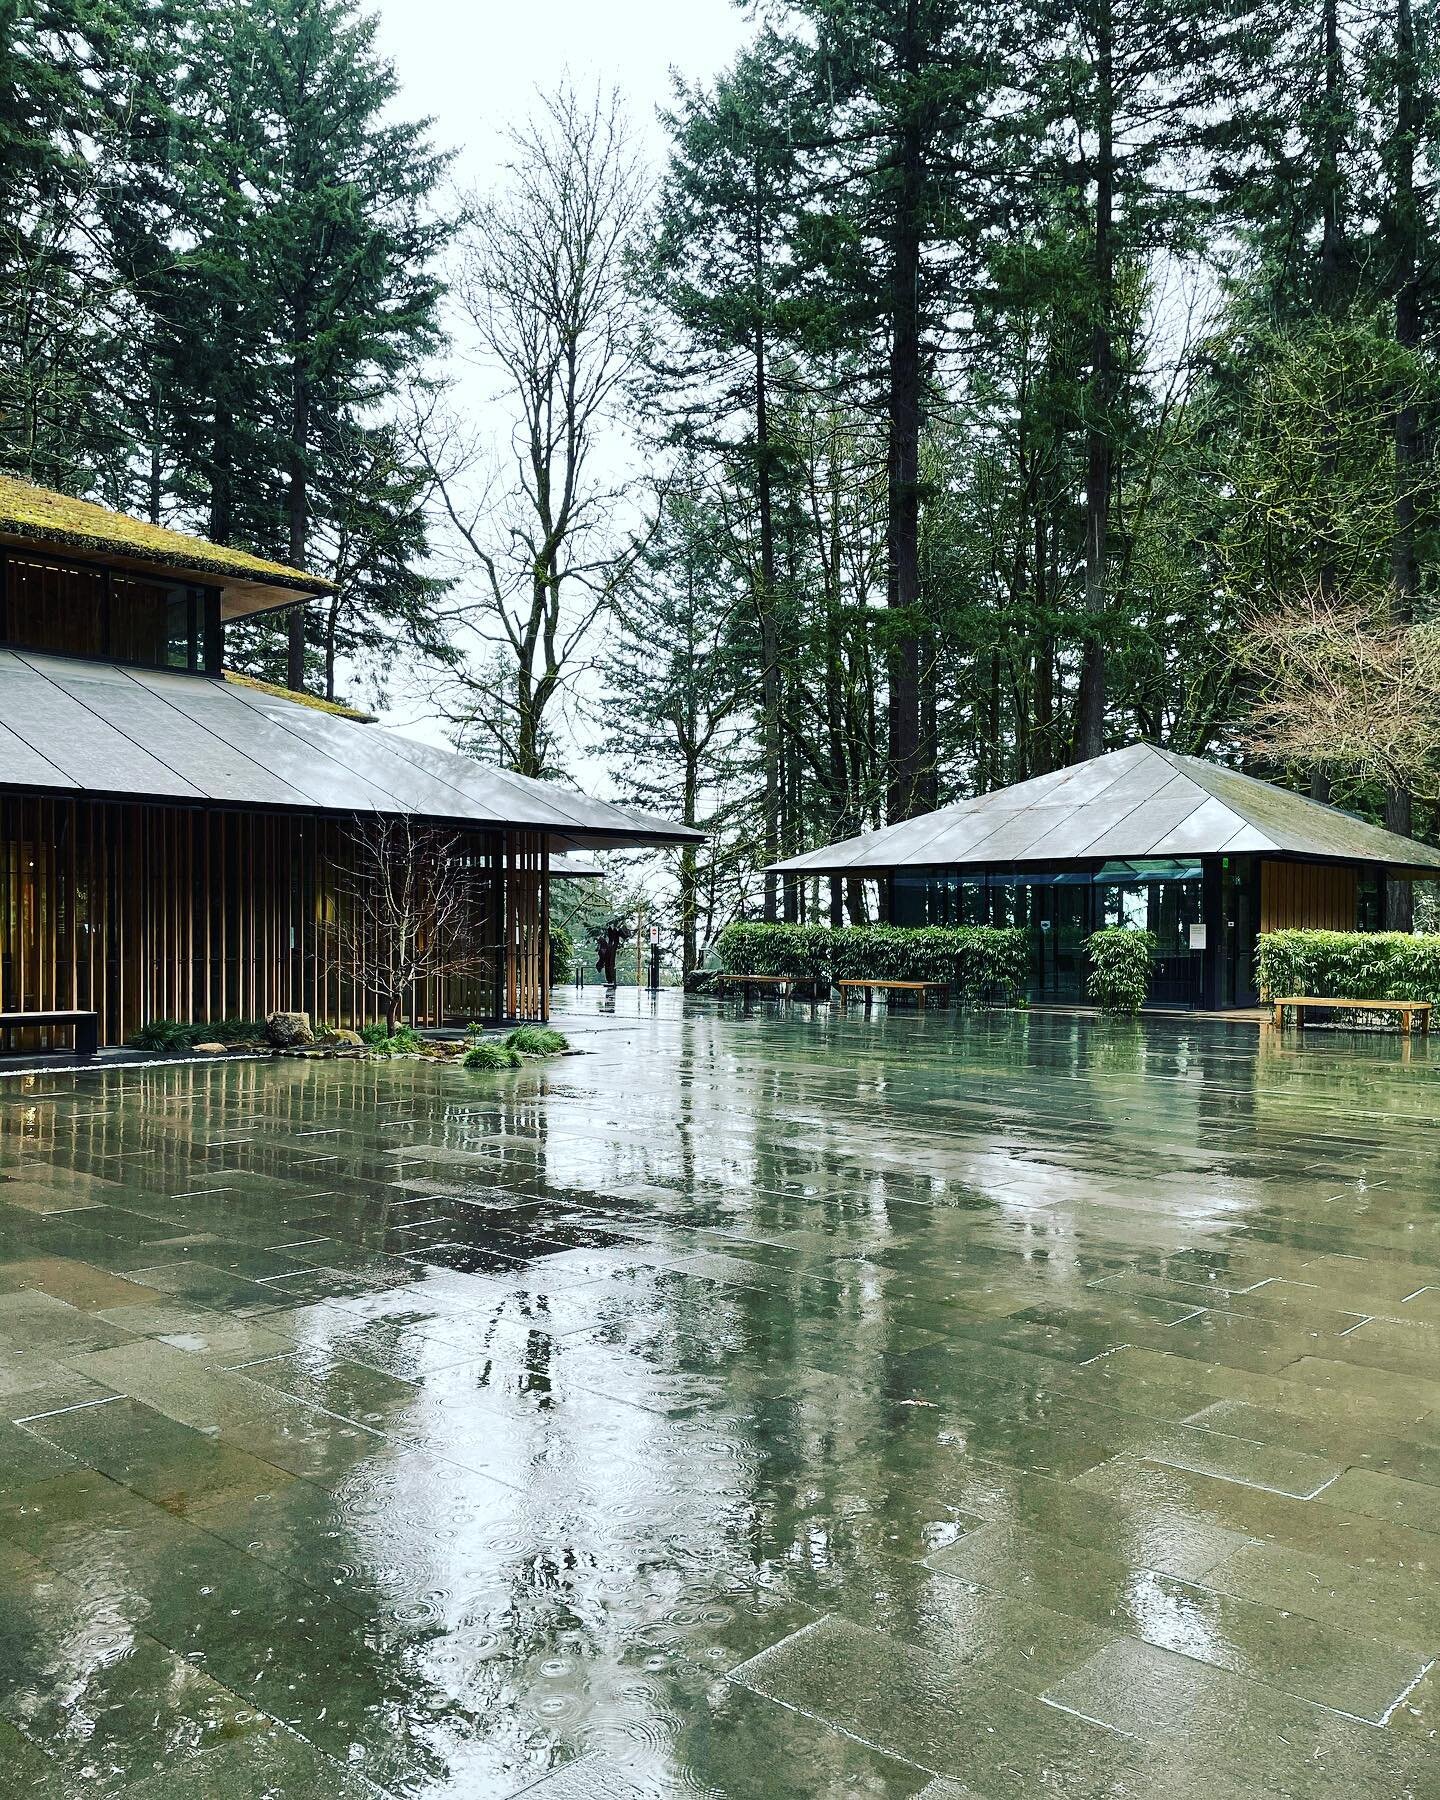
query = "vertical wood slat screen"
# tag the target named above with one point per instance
(145, 912)
(1314, 896)
(527, 926)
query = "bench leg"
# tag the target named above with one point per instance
(1405, 1024)
(87, 1038)
(1279, 1016)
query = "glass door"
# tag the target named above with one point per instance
(1060, 923)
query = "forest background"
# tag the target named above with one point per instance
(961, 391)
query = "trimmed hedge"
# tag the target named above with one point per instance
(986, 964)
(799, 950)
(1356, 965)
(1121, 961)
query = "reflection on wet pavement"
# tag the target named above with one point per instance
(751, 1406)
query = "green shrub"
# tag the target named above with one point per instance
(562, 953)
(1121, 961)
(985, 964)
(491, 1056)
(537, 1040)
(1358, 965)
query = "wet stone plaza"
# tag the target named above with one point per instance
(751, 1405)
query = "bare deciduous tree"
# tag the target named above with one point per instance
(410, 907)
(544, 282)
(1346, 688)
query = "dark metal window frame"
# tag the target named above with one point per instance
(206, 644)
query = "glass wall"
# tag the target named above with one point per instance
(82, 609)
(1060, 907)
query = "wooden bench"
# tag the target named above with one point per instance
(86, 1024)
(754, 981)
(1409, 1010)
(919, 988)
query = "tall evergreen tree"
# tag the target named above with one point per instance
(1135, 96)
(55, 289)
(346, 246)
(674, 659)
(726, 226)
(901, 180)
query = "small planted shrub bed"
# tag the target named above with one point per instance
(492, 1056)
(984, 964)
(1121, 961)
(401, 1042)
(1352, 965)
(537, 1040)
(176, 1037)
(523, 1041)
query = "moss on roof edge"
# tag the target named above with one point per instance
(313, 701)
(45, 516)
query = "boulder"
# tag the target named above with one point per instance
(288, 1030)
(210, 1049)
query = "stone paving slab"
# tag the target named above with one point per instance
(751, 1406)
(1159, 1697)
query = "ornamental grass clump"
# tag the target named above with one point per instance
(537, 1040)
(1121, 961)
(163, 1034)
(400, 1042)
(491, 1056)
(176, 1034)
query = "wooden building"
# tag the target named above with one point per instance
(1203, 856)
(176, 842)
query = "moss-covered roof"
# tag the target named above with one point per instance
(311, 700)
(43, 516)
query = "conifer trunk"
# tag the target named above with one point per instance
(903, 783)
(771, 746)
(299, 499)
(1409, 449)
(1090, 703)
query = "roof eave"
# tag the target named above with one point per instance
(606, 838)
(243, 592)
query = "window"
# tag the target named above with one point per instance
(80, 609)
(52, 606)
(1370, 900)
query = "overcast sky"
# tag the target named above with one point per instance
(473, 67)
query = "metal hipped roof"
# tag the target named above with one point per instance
(1137, 802)
(104, 729)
